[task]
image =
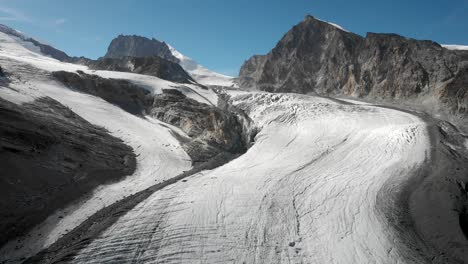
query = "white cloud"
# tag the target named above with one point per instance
(60, 21)
(11, 14)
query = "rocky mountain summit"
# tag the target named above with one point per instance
(319, 57)
(137, 46)
(141, 47)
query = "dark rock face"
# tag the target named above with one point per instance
(251, 70)
(315, 56)
(154, 66)
(50, 157)
(136, 46)
(51, 51)
(122, 93)
(211, 130)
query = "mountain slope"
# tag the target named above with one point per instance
(51, 157)
(126, 105)
(34, 44)
(159, 154)
(315, 56)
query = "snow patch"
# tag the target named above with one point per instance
(22, 39)
(455, 47)
(333, 24)
(201, 74)
(353, 101)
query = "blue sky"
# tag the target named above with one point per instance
(221, 34)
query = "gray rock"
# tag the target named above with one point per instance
(154, 66)
(136, 46)
(211, 130)
(251, 70)
(51, 157)
(317, 57)
(122, 93)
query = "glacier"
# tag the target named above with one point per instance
(309, 190)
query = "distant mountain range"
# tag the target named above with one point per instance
(124, 49)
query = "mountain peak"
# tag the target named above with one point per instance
(138, 46)
(312, 19)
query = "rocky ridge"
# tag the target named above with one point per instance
(318, 57)
(44, 48)
(122, 93)
(137, 46)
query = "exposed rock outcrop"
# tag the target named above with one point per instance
(51, 157)
(211, 131)
(251, 70)
(122, 93)
(315, 56)
(154, 66)
(136, 46)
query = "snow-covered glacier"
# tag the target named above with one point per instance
(306, 192)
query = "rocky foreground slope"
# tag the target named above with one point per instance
(51, 157)
(319, 57)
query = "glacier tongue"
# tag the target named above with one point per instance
(306, 192)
